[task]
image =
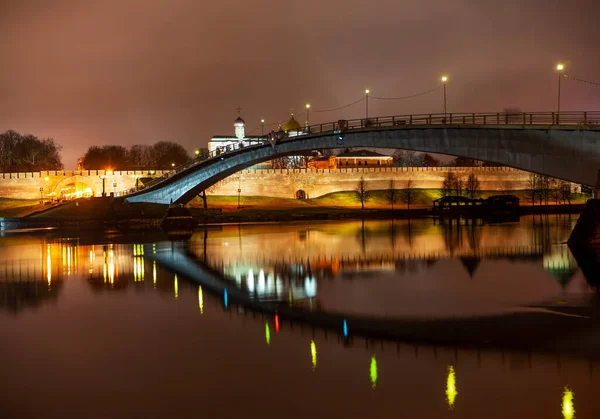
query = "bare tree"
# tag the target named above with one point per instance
(473, 187)
(392, 194)
(545, 188)
(447, 184)
(361, 191)
(459, 185)
(407, 158)
(565, 191)
(533, 188)
(409, 193)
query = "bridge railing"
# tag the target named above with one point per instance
(583, 118)
(490, 118)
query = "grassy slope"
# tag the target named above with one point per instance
(103, 208)
(19, 207)
(344, 199)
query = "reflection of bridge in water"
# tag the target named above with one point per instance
(488, 331)
(265, 276)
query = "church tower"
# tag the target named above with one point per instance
(239, 124)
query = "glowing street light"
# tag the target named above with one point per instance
(196, 152)
(307, 114)
(444, 80)
(367, 91)
(172, 164)
(559, 68)
(262, 127)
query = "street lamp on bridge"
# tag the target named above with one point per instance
(444, 80)
(559, 68)
(367, 110)
(262, 127)
(307, 114)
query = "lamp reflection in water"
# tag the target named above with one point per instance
(200, 300)
(373, 371)
(154, 273)
(451, 392)
(313, 354)
(49, 266)
(568, 409)
(176, 287)
(267, 334)
(276, 323)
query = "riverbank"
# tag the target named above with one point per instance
(105, 213)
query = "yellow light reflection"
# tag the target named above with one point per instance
(373, 371)
(200, 300)
(451, 392)
(267, 334)
(111, 267)
(313, 354)
(154, 273)
(176, 287)
(68, 261)
(104, 267)
(91, 256)
(568, 408)
(49, 266)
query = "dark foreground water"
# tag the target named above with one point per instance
(119, 325)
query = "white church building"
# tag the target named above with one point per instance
(291, 129)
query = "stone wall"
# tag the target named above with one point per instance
(285, 183)
(27, 185)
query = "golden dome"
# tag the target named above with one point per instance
(292, 125)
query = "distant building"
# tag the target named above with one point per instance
(323, 162)
(363, 158)
(291, 128)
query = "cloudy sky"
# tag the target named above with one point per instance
(139, 71)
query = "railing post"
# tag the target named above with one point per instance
(410, 119)
(524, 118)
(530, 119)
(450, 118)
(553, 118)
(585, 118)
(464, 120)
(506, 119)
(429, 120)
(473, 119)
(484, 119)
(498, 118)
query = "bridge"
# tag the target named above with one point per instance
(563, 145)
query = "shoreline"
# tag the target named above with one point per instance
(213, 216)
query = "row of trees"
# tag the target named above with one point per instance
(543, 189)
(28, 153)
(162, 155)
(407, 195)
(455, 185)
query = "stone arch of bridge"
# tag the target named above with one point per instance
(73, 179)
(572, 154)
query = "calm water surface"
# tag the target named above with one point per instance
(102, 326)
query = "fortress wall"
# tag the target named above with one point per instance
(266, 182)
(27, 185)
(316, 182)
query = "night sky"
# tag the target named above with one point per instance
(139, 71)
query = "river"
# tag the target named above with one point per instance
(325, 319)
